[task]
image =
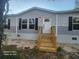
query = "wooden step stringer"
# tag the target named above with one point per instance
(46, 42)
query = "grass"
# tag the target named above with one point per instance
(26, 53)
(11, 57)
(11, 48)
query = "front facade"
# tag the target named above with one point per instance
(68, 28)
(26, 25)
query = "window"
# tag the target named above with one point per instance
(36, 23)
(24, 23)
(73, 23)
(24, 26)
(20, 23)
(7, 24)
(31, 23)
(76, 20)
(74, 38)
(46, 20)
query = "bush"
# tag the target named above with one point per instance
(35, 51)
(10, 48)
(59, 49)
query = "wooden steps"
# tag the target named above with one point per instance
(46, 49)
(46, 42)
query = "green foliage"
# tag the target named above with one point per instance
(9, 48)
(35, 51)
(11, 57)
(59, 49)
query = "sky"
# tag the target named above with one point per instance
(16, 6)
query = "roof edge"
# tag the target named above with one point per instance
(47, 10)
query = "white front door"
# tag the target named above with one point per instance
(46, 26)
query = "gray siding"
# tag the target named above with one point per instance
(63, 30)
(64, 35)
(12, 29)
(63, 21)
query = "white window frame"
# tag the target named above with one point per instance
(24, 23)
(74, 23)
(33, 22)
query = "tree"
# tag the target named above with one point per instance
(2, 19)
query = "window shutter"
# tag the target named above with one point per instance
(70, 24)
(36, 23)
(8, 23)
(19, 23)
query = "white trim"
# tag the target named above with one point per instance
(16, 27)
(56, 24)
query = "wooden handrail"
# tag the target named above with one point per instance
(52, 30)
(40, 29)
